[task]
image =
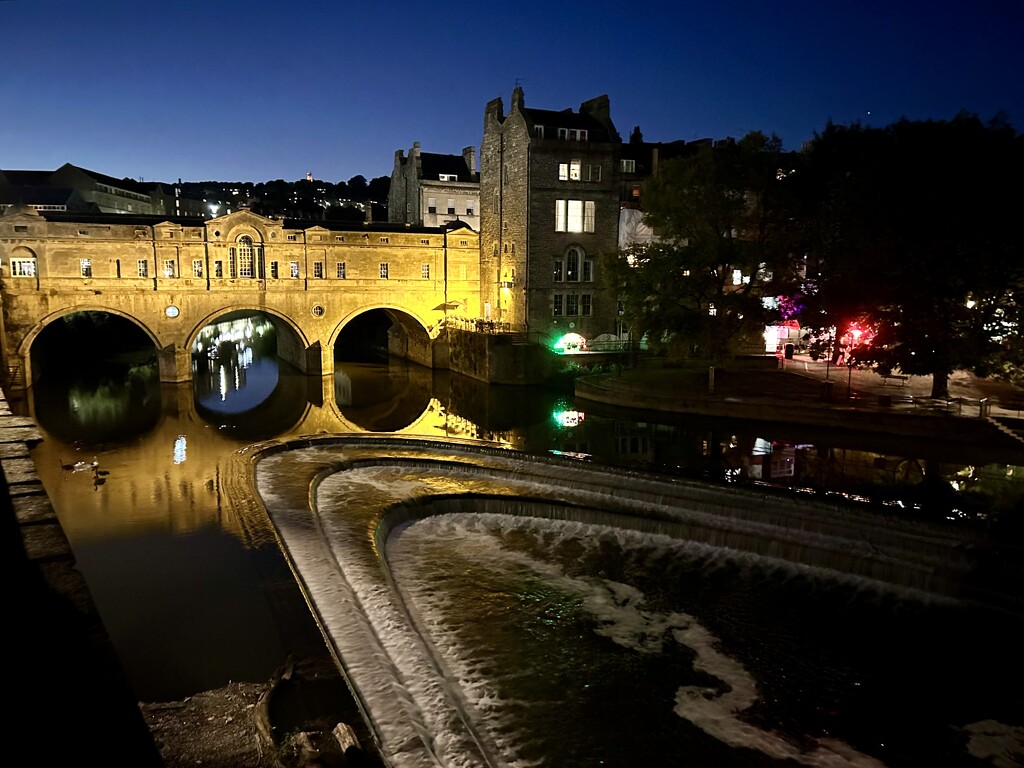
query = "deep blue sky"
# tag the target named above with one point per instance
(259, 90)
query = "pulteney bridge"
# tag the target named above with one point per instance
(174, 277)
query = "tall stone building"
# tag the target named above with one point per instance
(549, 193)
(429, 189)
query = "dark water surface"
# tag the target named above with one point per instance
(191, 601)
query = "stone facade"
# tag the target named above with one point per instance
(429, 189)
(549, 192)
(173, 277)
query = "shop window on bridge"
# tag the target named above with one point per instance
(197, 267)
(341, 270)
(218, 268)
(425, 271)
(383, 270)
(318, 270)
(143, 267)
(23, 267)
(86, 266)
(294, 269)
(274, 271)
(169, 268)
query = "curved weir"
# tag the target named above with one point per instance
(345, 509)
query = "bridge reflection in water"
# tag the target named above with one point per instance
(187, 572)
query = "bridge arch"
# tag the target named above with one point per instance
(24, 350)
(410, 336)
(294, 343)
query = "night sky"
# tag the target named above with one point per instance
(260, 90)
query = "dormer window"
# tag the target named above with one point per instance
(572, 134)
(448, 177)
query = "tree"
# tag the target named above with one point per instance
(912, 229)
(725, 243)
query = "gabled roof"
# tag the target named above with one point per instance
(101, 178)
(550, 119)
(35, 195)
(24, 178)
(433, 165)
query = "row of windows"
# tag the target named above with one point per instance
(573, 268)
(569, 134)
(432, 206)
(574, 215)
(574, 170)
(572, 305)
(241, 267)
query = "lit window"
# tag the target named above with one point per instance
(293, 269)
(86, 265)
(197, 267)
(627, 166)
(245, 256)
(341, 270)
(448, 177)
(574, 218)
(23, 267)
(737, 277)
(168, 267)
(383, 270)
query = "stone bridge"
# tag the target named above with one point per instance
(174, 277)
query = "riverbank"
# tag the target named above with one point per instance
(802, 391)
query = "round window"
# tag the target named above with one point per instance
(171, 311)
(318, 311)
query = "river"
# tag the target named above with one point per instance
(192, 598)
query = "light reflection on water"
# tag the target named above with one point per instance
(182, 585)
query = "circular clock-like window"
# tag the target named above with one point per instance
(171, 311)
(317, 310)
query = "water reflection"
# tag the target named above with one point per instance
(181, 580)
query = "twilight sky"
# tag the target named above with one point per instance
(259, 90)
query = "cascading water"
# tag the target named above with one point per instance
(495, 610)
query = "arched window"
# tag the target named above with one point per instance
(246, 252)
(572, 264)
(578, 268)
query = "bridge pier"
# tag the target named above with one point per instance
(174, 364)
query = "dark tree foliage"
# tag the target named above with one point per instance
(301, 199)
(719, 212)
(913, 230)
